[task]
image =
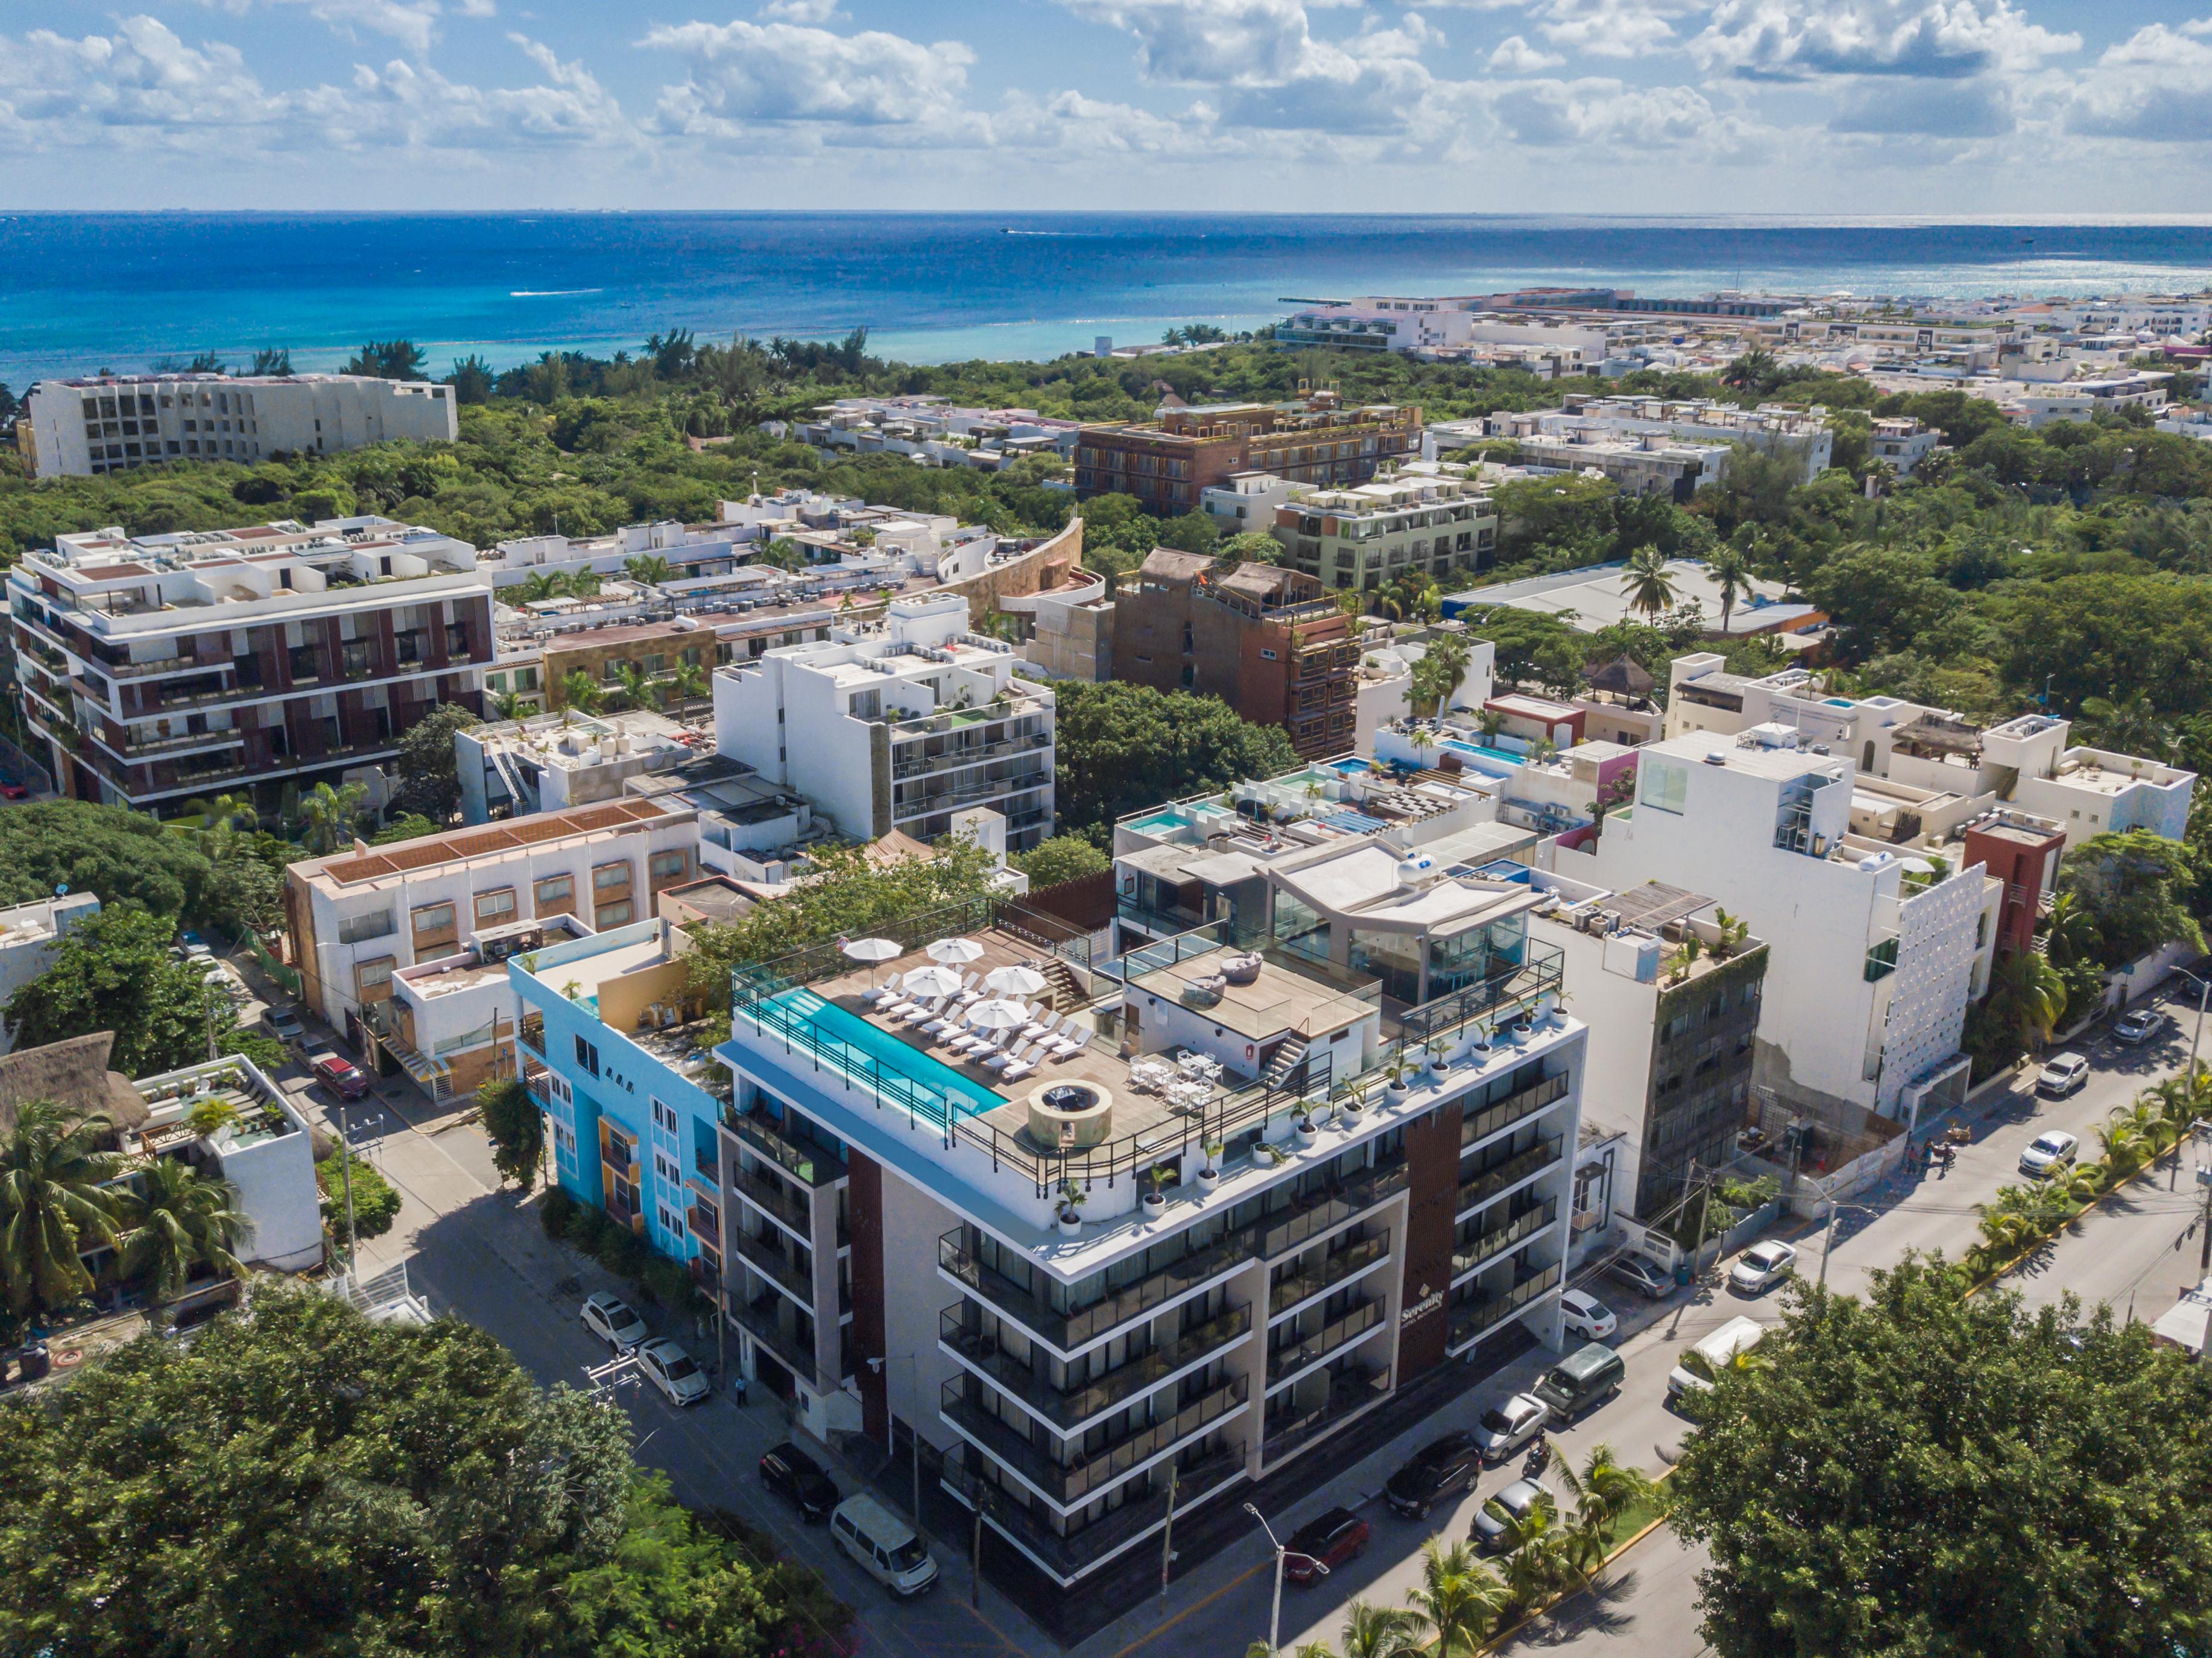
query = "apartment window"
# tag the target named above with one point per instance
(669, 1223)
(457, 639)
(616, 913)
(433, 925)
(555, 894)
(664, 1116)
(408, 646)
(495, 908)
(587, 1056)
(665, 1166)
(668, 865)
(372, 981)
(359, 929)
(354, 655)
(610, 878)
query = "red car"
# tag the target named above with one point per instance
(342, 1077)
(13, 791)
(1336, 1537)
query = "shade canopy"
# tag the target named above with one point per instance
(1624, 676)
(955, 950)
(1016, 981)
(931, 982)
(872, 950)
(999, 1015)
(1917, 865)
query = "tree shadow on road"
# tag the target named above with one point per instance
(1603, 1608)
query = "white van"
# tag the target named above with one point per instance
(885, 1547)
(1705, 1358)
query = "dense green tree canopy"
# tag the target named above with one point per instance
(428, 784)
(113, 972)
(1123, 747)
(1062, 858)
(102, 849)
(302, 1482)
(1920, 1474)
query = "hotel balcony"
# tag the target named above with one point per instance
(1478, 1251)
(1067, 1409)
(765, 1260)
(1352, 1325)
(1350, 1392)
(808, 1163)
(1522, 1103)
(1071, 1485)
(774, 1199)
(1477, 1319)
(758, 1319)
(1068, 1556)
(1290, 1290)
(1495, 1182)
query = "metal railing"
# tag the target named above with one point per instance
(531, 1033)
(1478, 1251)
(1304, 1286)
(758, 1320)
(769, 1197)
(770, 1264)
(1068, 1408)
(1348, 1396)
(1541, 968)
(1522, 1103)
(1491, 1183)
(1340, 1332)
(807, 1163)
(1069, 1484)
(1479, 1318)
(1071, 1555)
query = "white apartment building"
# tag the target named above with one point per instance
(1248, 501)
(930, 429)
(356, 920)
(1903, 442)
(551, 762)
(80, 428)
(2079, 399)
(1425, 516)
(1933, 767)
(1877, 956)
(1387, 657)
(898, 724)
(267, 1152)
(161, 667)
(1770, 429)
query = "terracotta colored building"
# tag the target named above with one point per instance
(1270, 642)
(2023, 852)
(1317, 440)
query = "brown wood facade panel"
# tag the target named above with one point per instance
(1433, 1198)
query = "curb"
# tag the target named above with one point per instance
(2074, 1219)
(1550, 1606)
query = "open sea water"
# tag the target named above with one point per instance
(80, 292)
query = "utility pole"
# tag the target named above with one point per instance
(2204, 1256)
(345, 1168)
(976, 1556)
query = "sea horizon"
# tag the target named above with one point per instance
(86, 291)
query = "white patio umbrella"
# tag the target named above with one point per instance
(932, 981)
(872, 950)
(955, 950)
(997, 1015)
(1016, 981)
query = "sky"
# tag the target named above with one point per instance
(1972, 108)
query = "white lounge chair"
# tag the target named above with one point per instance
(1061, 1042)
(1022, 1067)
(942, 1022)
(1082, 1040)
(1043, 1025)
(967, 1042)
(981, 1052)
(928, 1010)
(971, 991)
(892, 1007)
(1001, 1061)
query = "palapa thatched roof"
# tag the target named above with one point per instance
(1624, 676)
(74, 1073)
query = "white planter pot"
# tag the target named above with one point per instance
(1070, 1224)
(1398, 1093)
(1209, 1178)
(1156, 1203)
(1266, 1155)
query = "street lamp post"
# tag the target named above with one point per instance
(1283, 1551)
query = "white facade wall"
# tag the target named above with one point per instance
(1941, 933)
(28, 934)
(79, 427)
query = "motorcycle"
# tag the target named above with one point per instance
(1540, 1455)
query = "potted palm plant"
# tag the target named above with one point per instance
(1397, 1090)
(1304, 1129)
(1072, 1199)
(1155, 1201)
(1209, 1170)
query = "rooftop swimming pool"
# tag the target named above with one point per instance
(1483, 751)
(1351, 768)
(867, 1053)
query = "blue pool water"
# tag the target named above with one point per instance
(838, 1032)
(1352, 768)
(1484, 751)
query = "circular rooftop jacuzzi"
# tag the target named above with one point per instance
(1070, 1116)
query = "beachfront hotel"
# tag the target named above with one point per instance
(1108, 1235)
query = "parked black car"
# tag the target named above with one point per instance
(795, 1477)
(1438, 1470)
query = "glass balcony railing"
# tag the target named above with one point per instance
(1068, 1408)
(1272, 1234)
(1069, 1485)
(1303, 1286)
(1070, 1555)
(1477, 1319)
(772, 1197)
(1522, 1103)
(1493, 1183)
(765, 1261)
(809, 1164)
(1484, 1247)
(759, 1321)
(1341, 1331)
(1349, 1394)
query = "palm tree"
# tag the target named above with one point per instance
(2070, 931)
(2027, 997)
(54, 1203)
(180, 1219)
(330, 815)
(1535, 1564)
(688, 684)
(581, 692)
(2130, 724)
(540, 585)
(783, 553)
(1438, 673)
(1606, 1489)
(1457, 1600)
(1647, 583)
(223, 810)
(636, 684)
(1489, 723)
(1731, 575)
(510, 705)
(1755, 371)
(1380, 1631)
(651, 568)
(2123, 1146)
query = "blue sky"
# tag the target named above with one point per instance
(1967, 107)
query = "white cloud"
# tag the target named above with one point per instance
(1612, 29)
(1800, 40)
(749, 79)
(141, 83)
(1927, 109)
(815, 12)
(1601, 111)
(1515, 56)
(2154, 87)
(1247, 43)
(413, 23)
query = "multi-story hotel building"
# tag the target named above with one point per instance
(162, 667)
(1229, 1221)
(78, 428)
(1427, 518)
(1168, 463)
(896, 724)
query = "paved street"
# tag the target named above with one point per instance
(1649, 1604)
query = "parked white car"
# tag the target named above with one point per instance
(674, 1371)
(1761, 1267)
(2049, 1153)
(1586, 1317)
(611, 1319)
